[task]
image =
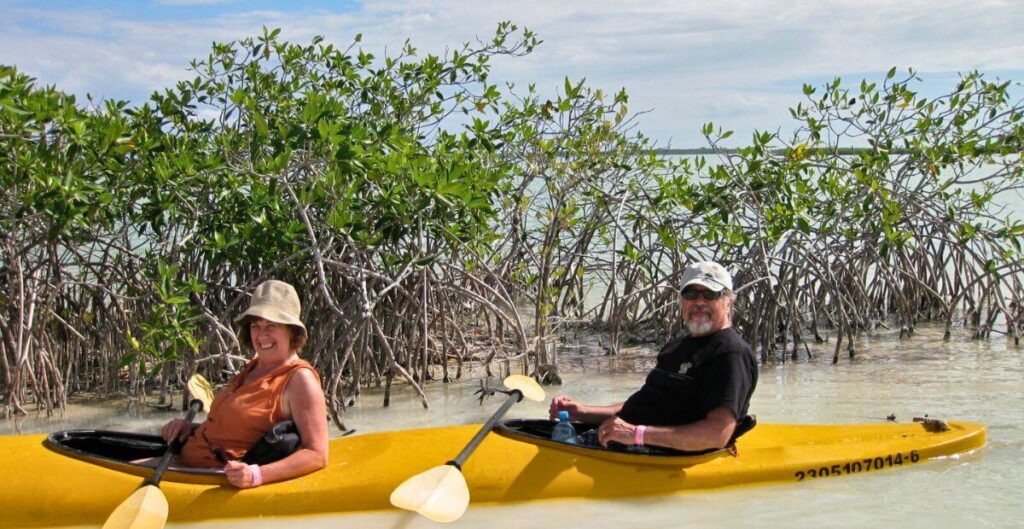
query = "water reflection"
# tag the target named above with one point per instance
(964, 379)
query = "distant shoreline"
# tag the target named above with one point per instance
(708, 150)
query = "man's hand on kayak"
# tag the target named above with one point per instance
(581, 412)
(616, 429)
(565, 403)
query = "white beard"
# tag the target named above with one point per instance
(699, 328)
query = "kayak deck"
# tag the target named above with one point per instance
(44, 488)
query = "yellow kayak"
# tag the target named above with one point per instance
(78, 477)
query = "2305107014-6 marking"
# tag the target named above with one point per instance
(861, 465)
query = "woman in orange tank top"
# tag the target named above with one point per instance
(274, 386)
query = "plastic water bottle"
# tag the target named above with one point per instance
(563, 431)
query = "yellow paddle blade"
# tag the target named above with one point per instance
(439, 494)
(526, 385)
(201, 389)
(146, 508)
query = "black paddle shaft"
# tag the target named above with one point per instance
(172, 447)
(513, 397)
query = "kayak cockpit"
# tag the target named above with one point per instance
(124, 451)
(538, 432)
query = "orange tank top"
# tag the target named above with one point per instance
(239, 416)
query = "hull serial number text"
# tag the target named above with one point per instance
(862, 465)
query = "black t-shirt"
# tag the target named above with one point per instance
(692, 377)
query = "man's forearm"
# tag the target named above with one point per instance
(599, 413)
(712, 432)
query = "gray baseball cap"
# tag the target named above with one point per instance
(708, 274)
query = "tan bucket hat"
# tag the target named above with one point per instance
(274, 301)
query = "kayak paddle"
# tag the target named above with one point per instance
(440, 493)
(147, 507)
(201, 389)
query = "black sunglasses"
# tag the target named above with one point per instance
(710, 295)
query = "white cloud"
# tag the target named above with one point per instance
(735, 62)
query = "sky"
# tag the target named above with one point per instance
(738, 63)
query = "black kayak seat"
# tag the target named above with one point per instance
(744, 425)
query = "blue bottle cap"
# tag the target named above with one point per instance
(563, 416)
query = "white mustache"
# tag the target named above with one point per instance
(699, 310)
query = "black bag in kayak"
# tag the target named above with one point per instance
(278, 443)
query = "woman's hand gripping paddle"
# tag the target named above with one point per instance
(146, 508)
(440, 493)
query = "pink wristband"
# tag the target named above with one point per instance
(638, 435)
(257, 475)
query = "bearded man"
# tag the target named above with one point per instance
(700, 388)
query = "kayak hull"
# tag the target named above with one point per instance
(43, 488)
